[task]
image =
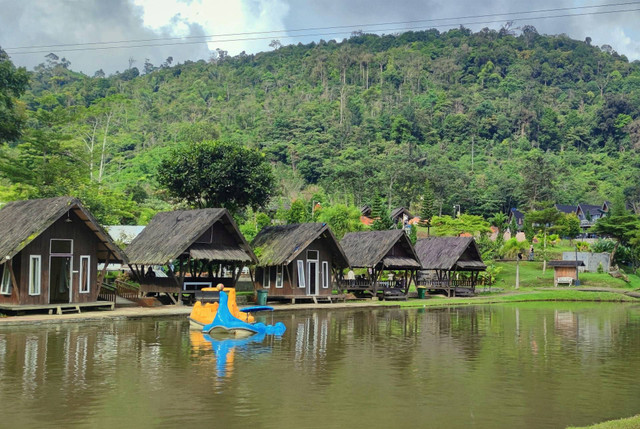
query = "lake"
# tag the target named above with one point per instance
(533, 365)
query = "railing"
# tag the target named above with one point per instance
(127, 290)
(109, 291)
(364, 284)
(438, 284)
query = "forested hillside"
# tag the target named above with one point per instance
(493, 120)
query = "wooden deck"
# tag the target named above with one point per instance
(453, 288)
(75, 307)
(389, 290)
(303, 298)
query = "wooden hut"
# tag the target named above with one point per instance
(456, 262)
(565, 272)
(379, 251)
(298, 261)
(49, 254)
(195, 247)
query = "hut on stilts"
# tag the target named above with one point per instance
(455, 261)
(377, 252)
(197, 248)
(298, 261)
(49, 254)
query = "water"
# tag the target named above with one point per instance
(544, 365)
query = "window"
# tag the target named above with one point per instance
(35, 274)
(312, 254)
(62, 247)
(5, 285)
(266, 277)
(301, 282)
(325, 275)
(85, 273)
(279, 270)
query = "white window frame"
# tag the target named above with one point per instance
(51, 252)
(35, 283)
(280, 276)
(325, 275)
(5, 283)
(302, 283)
(266, 277)
(85, 275)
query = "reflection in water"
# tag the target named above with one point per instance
(525, 365)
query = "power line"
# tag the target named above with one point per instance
(358, 26)
(323, 34)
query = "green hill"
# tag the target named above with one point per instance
(493, 120)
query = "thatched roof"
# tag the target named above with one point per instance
(171, 234)
(569, 264)
(281, 244)
(449, 253)
(23, 221)
(369, 248)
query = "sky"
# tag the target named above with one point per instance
(36, 25)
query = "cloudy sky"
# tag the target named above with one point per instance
(43, 26)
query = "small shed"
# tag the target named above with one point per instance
(49, 254)
(196, 248)
(298, 260)
(380, 251)
(449, 257)
(565, 271)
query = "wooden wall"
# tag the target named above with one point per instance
(564, 272)
(290, 273)
(84, 243)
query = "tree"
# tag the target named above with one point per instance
(13, 83)
(380, 214)
(568, 226)
(217, 174)
(466, 223)
(341, 219)
(298, 212)
(540, 221)
(619, 224)
(428, 205)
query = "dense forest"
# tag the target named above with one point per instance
(492, 120)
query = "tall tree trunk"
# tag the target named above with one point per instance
(104, 146)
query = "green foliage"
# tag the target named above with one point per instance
(413, 234)
(298, 212)
(546, 118)
(217, 174)
(262, 220)
(512, 247)
(341, 219)
(13, 83)
(568, 226)
(466, 223)
(427, 210)
(381, 216)
(619, 224)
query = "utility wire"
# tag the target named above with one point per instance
(323, 34)
(359, 26)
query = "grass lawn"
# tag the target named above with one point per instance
(630, 423)
(531, 276)
(523, 296)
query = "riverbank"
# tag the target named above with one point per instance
(527, 295)
(629, 423)
(164, 311)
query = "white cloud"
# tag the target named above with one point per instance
(216, 17)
